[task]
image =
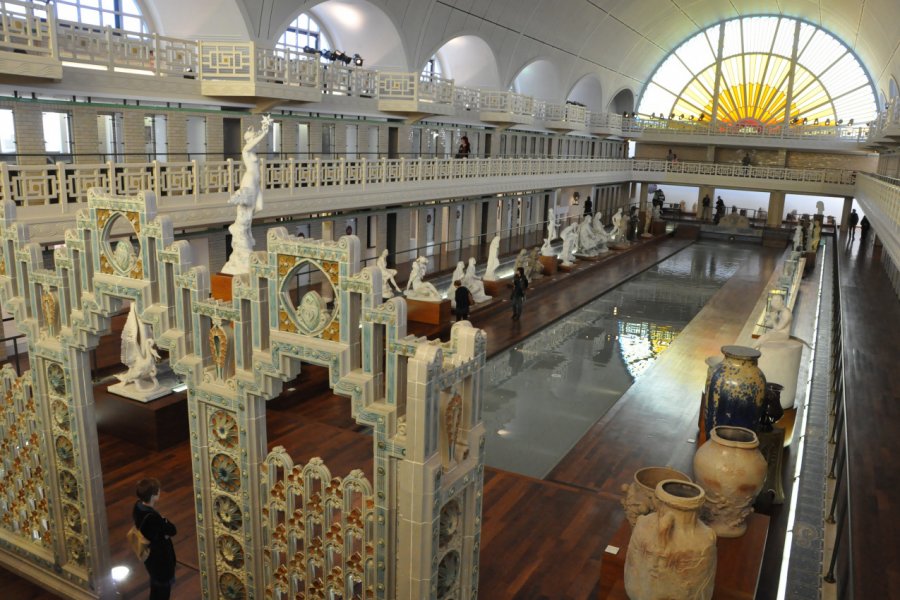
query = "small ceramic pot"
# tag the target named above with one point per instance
(732, 471)
(640, 494)
(672, 554)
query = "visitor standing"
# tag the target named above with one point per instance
(158, 530)
(464, 148)
(864, 226)
(707, 209)
(520, 284)
(720, 210)
(853, 221)
(588, 208)
(463, 299)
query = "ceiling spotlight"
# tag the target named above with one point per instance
(357, 60)
(120, 573)
(309, 50)
(327, 54)
(850, 122)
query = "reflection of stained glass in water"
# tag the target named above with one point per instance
(640, 343)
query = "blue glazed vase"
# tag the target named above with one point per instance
(736, 394)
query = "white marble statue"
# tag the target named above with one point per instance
(618, 233)
(416, 288)
(587, 239)
(600, 234)
(474, 283)
(458, 275)
(248, 199)
(521, 259)
(534, 268)
(547, 248)
(552, 233)
(648, 218)
(387, 276)
(798, 238)
(493, 261)
(569, 236)
(820, 208)
(139, 355)
(777, 322)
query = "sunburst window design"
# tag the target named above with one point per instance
(740, 72)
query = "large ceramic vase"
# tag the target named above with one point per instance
(672, 554)
(640, 494)
(732, 471)
(711, 363)
(737, 390)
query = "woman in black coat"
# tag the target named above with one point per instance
(159, 531)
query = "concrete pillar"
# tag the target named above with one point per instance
(706, 190)
(710, 153)
(491, 228)
(642, 199)
(471, 226)
(776, 209)
(845, 213)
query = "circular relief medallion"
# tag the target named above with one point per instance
(231, 551)
(224, 429)
(448, 572)
(75, 550)
(228, 512)
(56, 378)
(231, 588)
(60, 414)
(226, 473)
(449, 522)
(64, 450)
(68, 484)
(72, 518)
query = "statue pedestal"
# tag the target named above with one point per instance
(564, 268)
(623, 245)
(550, 264)
(780, 362)
(432, 313)
(771, 444)
(129, 390)
(495, 287)
(221, 286)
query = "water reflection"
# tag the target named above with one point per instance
(542, 395)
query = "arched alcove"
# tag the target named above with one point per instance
(360, 27)
(469, 61)
(209, 19)
(539, 78)
(589, 92)
(623, 101)
(893, 90)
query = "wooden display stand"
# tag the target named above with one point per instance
(495, 287)
(432, 313)
(221, 286)
(550, 264)
(737, 572)
(564, 268)
(155, 425)
(658, 227)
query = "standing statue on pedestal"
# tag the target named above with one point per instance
(569, 236)
(777, 322)
(798, 239)
(648, 218)
(458, 274)
(387, 276)
(493, 261)
(248, 199)
(139, 355)
(552, 234)
(618, 232)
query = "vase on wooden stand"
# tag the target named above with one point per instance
(640, 495)
(737, 390)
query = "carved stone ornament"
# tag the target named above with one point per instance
(452, 422)
(218, 348)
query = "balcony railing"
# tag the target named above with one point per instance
(31, 29)
(66, 184)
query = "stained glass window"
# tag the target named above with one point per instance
(750, 81)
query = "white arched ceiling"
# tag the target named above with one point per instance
(893, 89)
(360, 27)
(623, 101)
(208, 19)
(589, 92)
(470, 62)
(540, 79)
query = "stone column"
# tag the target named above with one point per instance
(776, 209)
(845, 213)
(645, 191)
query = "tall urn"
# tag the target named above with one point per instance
(672, 554)
(736, 393)
(732, 471)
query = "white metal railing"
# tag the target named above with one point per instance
(65, 184)
(287, 67)
(27, 28)
(890, 116)
(433, 88)
(341, 80)
(879, 197)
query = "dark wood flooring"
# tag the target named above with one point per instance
(540, 539)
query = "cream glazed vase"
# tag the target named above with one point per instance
(672, 554)
(732, 471)
(640, 495)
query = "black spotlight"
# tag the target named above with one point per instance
(357, 60)
(309, 50)
(328, 55)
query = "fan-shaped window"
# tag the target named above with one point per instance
(754, 78)
(119, 14)
(304, 35)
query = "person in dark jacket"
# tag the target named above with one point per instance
(159, 531)
(463, 299)
(864, 226)
(520, 284)
(853, 220)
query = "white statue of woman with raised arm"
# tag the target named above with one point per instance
(387, 276)
(248, 199)
(493, 261)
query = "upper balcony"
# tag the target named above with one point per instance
(885, 130)
(196, 193)
(108, 61)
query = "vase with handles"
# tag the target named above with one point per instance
(732, 471)
(736, 393)
(672, 553)
(640, 495)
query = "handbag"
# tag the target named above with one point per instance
(139, 544)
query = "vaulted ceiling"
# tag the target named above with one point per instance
(620, 42)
